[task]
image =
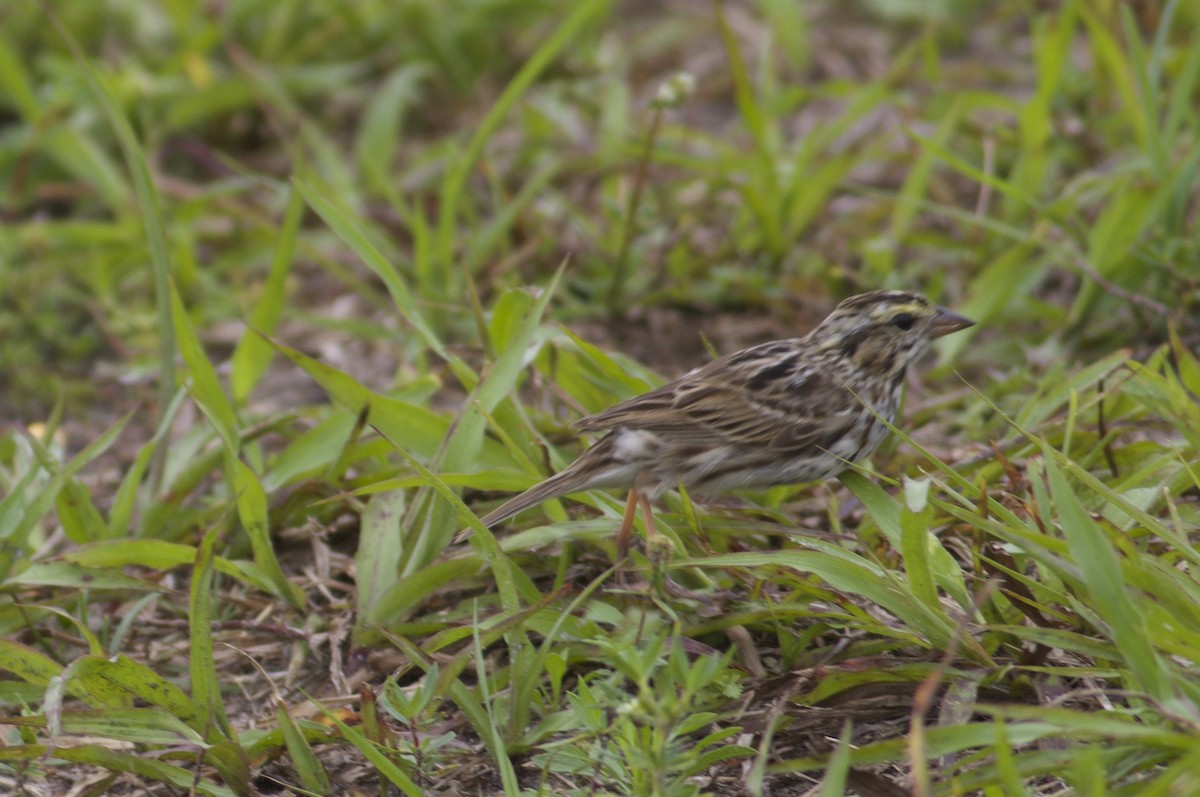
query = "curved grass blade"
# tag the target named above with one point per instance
(253, 354)
(456, 177)
(152, 220)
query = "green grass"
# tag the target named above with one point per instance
(291, 293)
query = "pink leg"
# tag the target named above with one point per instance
(647, 514)
(626, 531)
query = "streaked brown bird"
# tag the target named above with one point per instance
(789, 411)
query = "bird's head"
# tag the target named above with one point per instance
(885, 330)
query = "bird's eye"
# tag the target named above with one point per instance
(904, 321)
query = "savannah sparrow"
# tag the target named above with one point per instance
(783, 412)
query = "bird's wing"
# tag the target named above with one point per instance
(767, 396)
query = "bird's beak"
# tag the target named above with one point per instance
(945, 322)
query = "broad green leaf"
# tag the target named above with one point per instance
(1185, 360)
(1101, 572)
(16, 81)
(206, 686)
(888, 515)
(155, 554)
(1039, 409)
(1117, 73)
(402, 595)
(850, 573)
(939, 742)
(506, 481)
(381, 127)
(377, 560)
(142, 766)
(352, 232)
(312, 452)
(421, 430)
(118, 680)
(507, 583)
(465, 438)
(253, 354)
(834, 782)
(252, 511)
(80, 519)
(917, 542)
(61, 476)
(66, 574)
(382, 762)
(139, 725)
(205, 387)
(27, 663)
(29, 611)
(1112, 725)
(120, 516)
(633, 379)
(308, 767)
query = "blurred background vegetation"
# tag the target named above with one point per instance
(999, 152)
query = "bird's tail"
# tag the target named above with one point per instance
(558, 485)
